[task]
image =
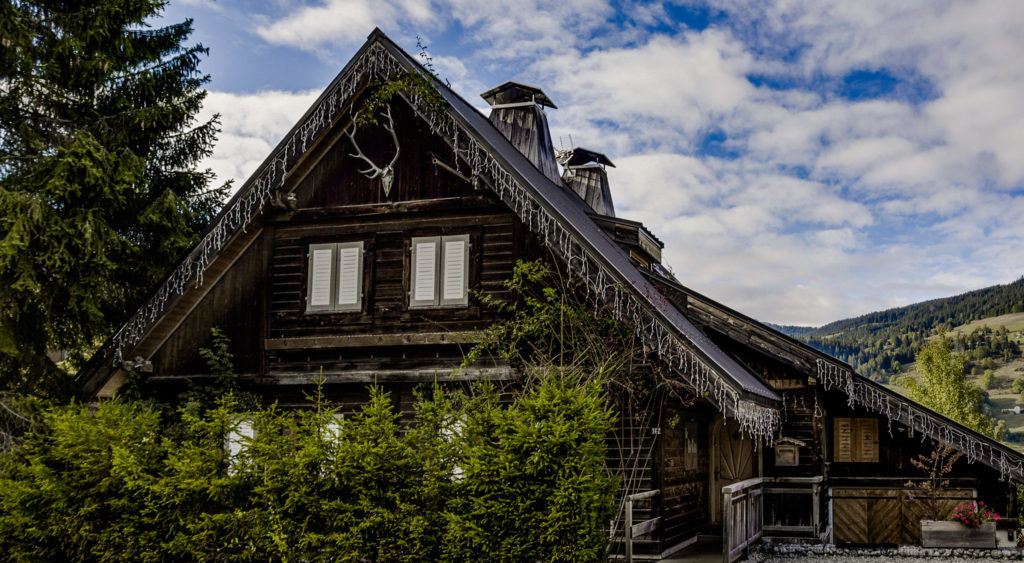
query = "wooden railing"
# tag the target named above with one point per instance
(742, 505)
(645, 527)
(794, 505)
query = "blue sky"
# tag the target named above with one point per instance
(803, 160)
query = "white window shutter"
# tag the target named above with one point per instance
(456, 271)
(423, 292)
(350, 276)
(321, 270)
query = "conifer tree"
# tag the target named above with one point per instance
(99, 192)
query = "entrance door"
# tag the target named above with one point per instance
(732, 460)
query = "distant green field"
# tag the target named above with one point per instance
(1014, 322)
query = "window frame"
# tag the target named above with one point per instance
(237, 440)
(334, 278)
(440, 262)
(864, 440)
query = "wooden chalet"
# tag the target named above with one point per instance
(354, 253)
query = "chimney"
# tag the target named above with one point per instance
(585, 174)
(517, 111)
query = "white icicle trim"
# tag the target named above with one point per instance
(914, 416)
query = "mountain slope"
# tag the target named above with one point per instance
(877, 344)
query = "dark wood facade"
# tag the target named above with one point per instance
(259, 303)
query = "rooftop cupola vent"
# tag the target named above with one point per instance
(585, 174)
(517, 110)
(516, 93)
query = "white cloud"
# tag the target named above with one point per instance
(251, 126)
(516, 29)
(812, 207)
(855, 205)
(335, 22)
(675, 87)
(969, 51)
(206, 4)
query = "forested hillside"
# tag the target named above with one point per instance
(879, 344)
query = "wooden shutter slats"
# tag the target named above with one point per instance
(424, 272)
(843, 431)
(855, 440)
(320, 269)
(349, 275)
(868, 440)
(335, 277)
(454, 269)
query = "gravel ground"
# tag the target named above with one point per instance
(787, 553)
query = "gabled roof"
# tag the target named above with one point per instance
(545, 208)
(859, 390)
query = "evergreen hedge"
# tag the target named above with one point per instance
(470, 479)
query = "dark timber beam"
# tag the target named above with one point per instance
(362, 340)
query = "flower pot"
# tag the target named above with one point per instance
(946, 533)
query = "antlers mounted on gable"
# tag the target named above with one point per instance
(386, 174)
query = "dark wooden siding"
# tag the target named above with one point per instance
(334, 179)
(386, 237)
(802, 419)
(234, 305)
(684, 498)
(262, 298)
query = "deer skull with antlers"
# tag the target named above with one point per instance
(386, 174)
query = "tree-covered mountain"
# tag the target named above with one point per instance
(878, 344)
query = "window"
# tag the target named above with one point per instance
(439, 271)
(690, 454)
(855, 440)
(335, 277)
(238, 438)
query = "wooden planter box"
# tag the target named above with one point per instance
(946, 533)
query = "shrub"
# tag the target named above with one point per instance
(79, 486)
(534, 484)
(988, 379)
(471, 479)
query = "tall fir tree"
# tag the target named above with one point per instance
(99, 191)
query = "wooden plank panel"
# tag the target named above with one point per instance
(646, 527)
(850, 520)
(912, 512)
(866, 493)
(360, 340)
(884, 525)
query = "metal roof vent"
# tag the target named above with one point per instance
(517, 111)
(585, 174)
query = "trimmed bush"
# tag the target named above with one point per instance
(470, 479)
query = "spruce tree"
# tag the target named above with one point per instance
(99, 191)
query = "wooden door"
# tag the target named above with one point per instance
(733, 460)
